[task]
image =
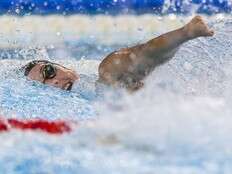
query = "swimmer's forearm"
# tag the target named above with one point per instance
(166, 42)
(169, 42)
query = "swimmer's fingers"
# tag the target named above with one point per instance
(208, 32)
(197, 27)
(211, 33)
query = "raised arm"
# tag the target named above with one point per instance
(129, 66)
(168, 43)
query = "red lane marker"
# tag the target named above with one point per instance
(51, 127)
(3, 126)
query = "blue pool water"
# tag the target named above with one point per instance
(113, 7)
(179, 123)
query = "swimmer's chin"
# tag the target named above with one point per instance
(75, 86)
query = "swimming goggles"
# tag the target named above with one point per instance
(49, 71)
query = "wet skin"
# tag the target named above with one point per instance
(63, 77)
(128, 67)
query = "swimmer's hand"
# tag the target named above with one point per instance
(197, 28)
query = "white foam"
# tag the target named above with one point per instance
(179, 123)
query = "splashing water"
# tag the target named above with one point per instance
(179, 123)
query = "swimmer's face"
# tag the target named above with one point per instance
(53, 74)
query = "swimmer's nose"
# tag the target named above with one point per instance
(55, 83)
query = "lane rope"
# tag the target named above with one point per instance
(50, 127)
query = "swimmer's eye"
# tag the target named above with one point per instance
(49, 71)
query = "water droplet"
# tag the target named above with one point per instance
(17, 10)
(45, 3)
(58, 33)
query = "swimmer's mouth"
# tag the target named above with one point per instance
(68, 86)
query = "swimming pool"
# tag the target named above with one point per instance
(179, 123)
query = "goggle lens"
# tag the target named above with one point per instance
(49, 71)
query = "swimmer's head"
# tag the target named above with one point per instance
(51, 74)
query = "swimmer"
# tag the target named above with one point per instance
(126, 67)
